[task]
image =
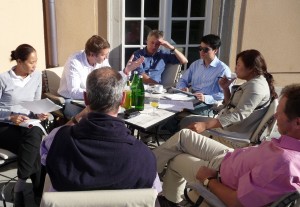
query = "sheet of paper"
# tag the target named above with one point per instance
(41, 106)
(179, 97)
(175, 105)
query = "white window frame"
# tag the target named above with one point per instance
(164, 24)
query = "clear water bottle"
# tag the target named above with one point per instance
(140, 94)
(133, 87)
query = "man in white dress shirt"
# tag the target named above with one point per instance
(79, 65)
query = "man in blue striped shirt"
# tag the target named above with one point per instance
(203, 74)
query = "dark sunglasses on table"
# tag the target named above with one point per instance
(204, 49)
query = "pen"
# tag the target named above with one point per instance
(226, 77)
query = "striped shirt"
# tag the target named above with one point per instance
(204, 79)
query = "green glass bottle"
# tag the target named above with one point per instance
(133, 86)
(140, 94)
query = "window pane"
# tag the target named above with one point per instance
(148, 26)
(178, 33)
(151, 8)
(192, 55)
(179, 8)
(128, 53)
(196, 31)
(132, 31)
(133, 8)
(198, 8)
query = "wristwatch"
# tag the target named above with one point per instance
(173, 50)
(206, 181)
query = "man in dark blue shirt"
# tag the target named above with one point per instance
(155, 58)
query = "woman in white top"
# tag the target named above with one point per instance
(22, 83)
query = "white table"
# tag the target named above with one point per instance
(145, 121)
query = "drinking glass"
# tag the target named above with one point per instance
(154, 103)
(151, 88)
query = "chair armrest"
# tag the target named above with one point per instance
(56, 99)
(208, 196)
(5, 154)
(234, 136)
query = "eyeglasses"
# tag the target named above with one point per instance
(204, 49)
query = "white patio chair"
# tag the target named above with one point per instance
(288, 200)
(51, 80)
(263, 131)
(105, 198)
(170, 75)
(6, 158)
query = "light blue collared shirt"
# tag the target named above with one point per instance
(204, 79)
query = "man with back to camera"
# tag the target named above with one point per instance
(155, 58)
(95, 150)
(203, 75)
(80, 64)
(250, 176)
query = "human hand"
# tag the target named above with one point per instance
(43, 116)
(224, 82)
(205, 172)
(185, 89)
(197, 127)
(200, 96)
(131, 65)
(18, 119)
(166, 44)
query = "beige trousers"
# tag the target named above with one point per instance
(184, 153)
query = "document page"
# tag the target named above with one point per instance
(179, 97)
(175, 105)
(41, 106)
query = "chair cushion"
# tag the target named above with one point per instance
(126, 198)
(53, 78)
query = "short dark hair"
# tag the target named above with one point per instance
(95, 44)
(104, 88)
(212, 40)
(21, 52)
(292, 93)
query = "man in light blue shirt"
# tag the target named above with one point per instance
(203, 75)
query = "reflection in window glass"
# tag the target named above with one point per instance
(151, 8)
(179, 8)
(196, 31)
(178, 33)
(128, 53)
(132, 32)
(132, 11)
(198, 8)
(193, 55)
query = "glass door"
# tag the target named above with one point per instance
(184, 22)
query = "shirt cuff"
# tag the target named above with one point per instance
(209, 99)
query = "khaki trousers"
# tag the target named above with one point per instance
(184, 153)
